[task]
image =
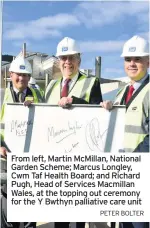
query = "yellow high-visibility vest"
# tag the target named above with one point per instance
(81, 89)
(136, 127)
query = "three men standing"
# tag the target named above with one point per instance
(75, 88)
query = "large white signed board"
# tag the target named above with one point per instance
(45, 128)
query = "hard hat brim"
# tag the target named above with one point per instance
(134, 55)
(67, 53)
(20, 71)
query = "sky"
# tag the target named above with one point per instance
(100, 27)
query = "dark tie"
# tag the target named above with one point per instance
(20, 97)
(64, 92)
(129, 94)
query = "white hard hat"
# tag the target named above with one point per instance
(136, 46)
(32, 81)
(20, 65)
(67, 46)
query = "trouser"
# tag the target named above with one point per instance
(134, 225)
(5, 224)
(66, 225)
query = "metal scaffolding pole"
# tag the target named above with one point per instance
(98, 67)
(24, 50)
(46, 80)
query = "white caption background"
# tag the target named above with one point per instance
(75, 187)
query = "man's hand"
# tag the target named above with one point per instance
(27, 103)
(107, 104)
(64, 101)
(3, 151)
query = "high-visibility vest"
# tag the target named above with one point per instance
(41, 91)
(37, 89)
(81, 89)
(136, 127)
(9, 99)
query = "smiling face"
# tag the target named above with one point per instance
(69, 65)
(136, 67)
(19, 81)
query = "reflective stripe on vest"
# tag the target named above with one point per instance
(36, 95)
(81, 89)
(136, 127)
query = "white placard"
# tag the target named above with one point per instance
(50, 128)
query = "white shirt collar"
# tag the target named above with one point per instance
(72, 82)
(72, 79)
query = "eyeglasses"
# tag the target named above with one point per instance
(69, 57)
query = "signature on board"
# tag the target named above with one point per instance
(95, 135)
(61, 134)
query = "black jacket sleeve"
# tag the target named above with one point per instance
(3, 144)
(95, 96)
(144, 145)
(77, 100)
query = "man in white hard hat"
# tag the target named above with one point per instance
(136, 98)
(20, 72)
(74, 87)
(135, 95)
